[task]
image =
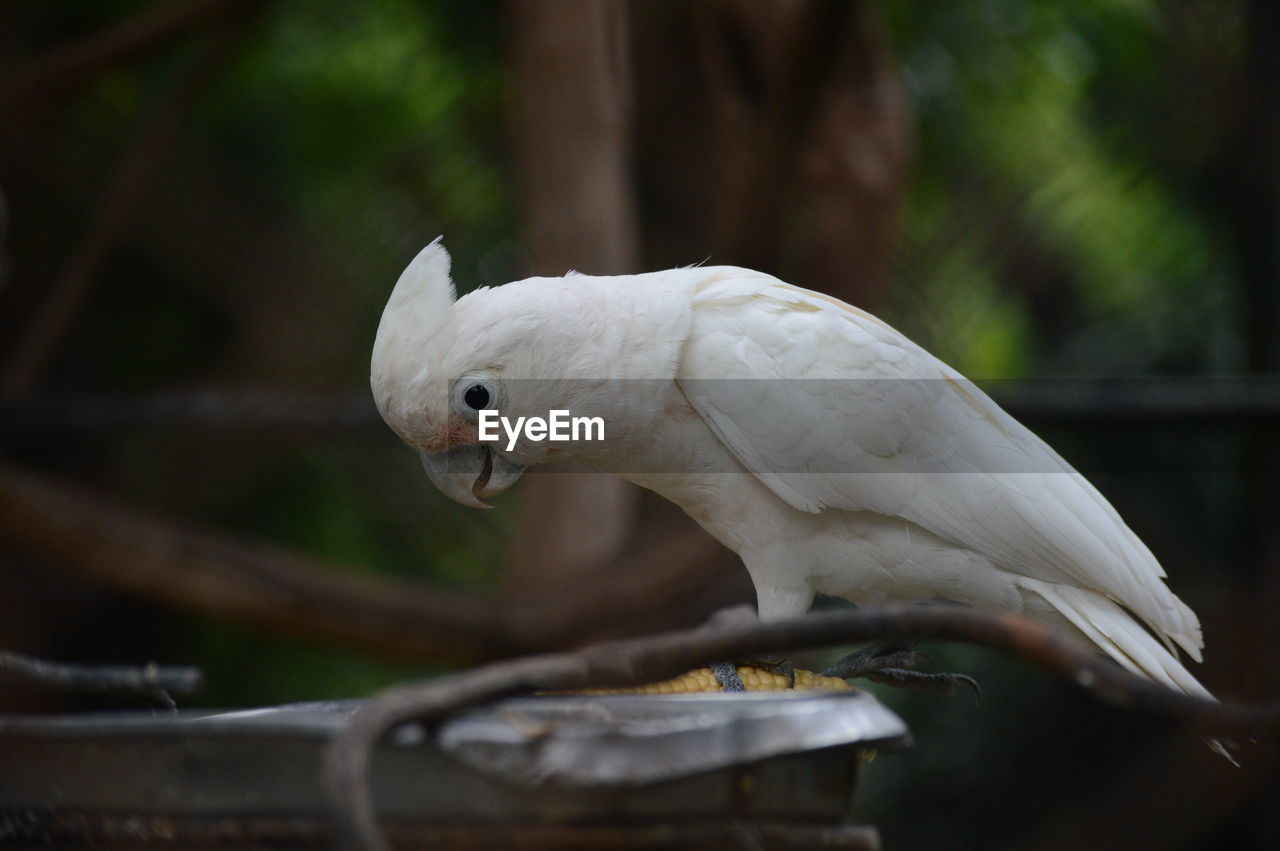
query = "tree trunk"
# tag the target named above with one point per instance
(571, 124)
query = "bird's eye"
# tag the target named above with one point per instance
(476, 397)
(476, 391)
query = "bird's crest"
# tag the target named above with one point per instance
(416, 332)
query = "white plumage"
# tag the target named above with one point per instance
(830, 452)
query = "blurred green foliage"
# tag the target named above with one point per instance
(1048, 136)
(369, 118)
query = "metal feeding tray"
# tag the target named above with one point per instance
(697, 770)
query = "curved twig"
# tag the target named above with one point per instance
(635, 661)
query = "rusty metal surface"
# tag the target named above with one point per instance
(568, 761)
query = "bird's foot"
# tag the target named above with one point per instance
(892, 663)
(726, 673)
(877, 657)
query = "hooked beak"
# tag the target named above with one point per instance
(466, 473)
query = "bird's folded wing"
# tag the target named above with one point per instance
(835, 410)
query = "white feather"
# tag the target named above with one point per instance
(415, 334)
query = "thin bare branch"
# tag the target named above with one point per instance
(151, 682)
(636, 661)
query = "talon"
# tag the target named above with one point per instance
(944, 684)
(971, 683)
(892, 663)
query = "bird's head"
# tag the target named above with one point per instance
(438, 361)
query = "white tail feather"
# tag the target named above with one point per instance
(1113, 629)
(1109, 626)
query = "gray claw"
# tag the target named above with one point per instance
(944, 684)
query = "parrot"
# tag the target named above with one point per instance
(831, 453)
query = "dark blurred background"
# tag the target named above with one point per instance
(205, 204)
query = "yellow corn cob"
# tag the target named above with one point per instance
(755, 679)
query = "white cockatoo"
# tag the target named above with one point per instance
(826, 449)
